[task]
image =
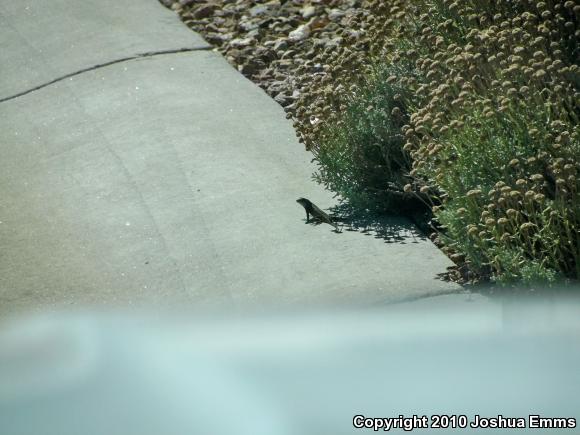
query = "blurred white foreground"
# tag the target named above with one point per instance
(87, 373)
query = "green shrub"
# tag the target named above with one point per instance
(497, 133)
(491, 92)
(362, 158)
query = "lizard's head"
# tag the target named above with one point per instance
(302, 201)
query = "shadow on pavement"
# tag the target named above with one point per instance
(392, 229)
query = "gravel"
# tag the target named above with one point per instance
(278, 44)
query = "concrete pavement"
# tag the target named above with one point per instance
(44, 41)
(138, 167)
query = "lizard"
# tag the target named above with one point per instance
(317, 213)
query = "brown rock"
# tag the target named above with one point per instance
(204, 11)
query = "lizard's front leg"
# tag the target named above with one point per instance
(307, 217)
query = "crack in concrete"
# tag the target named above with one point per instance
(461, 290)
(102, 65)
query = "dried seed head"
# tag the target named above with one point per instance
(538, 40)
(539, 74)
(531, 160)
(458, 258)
